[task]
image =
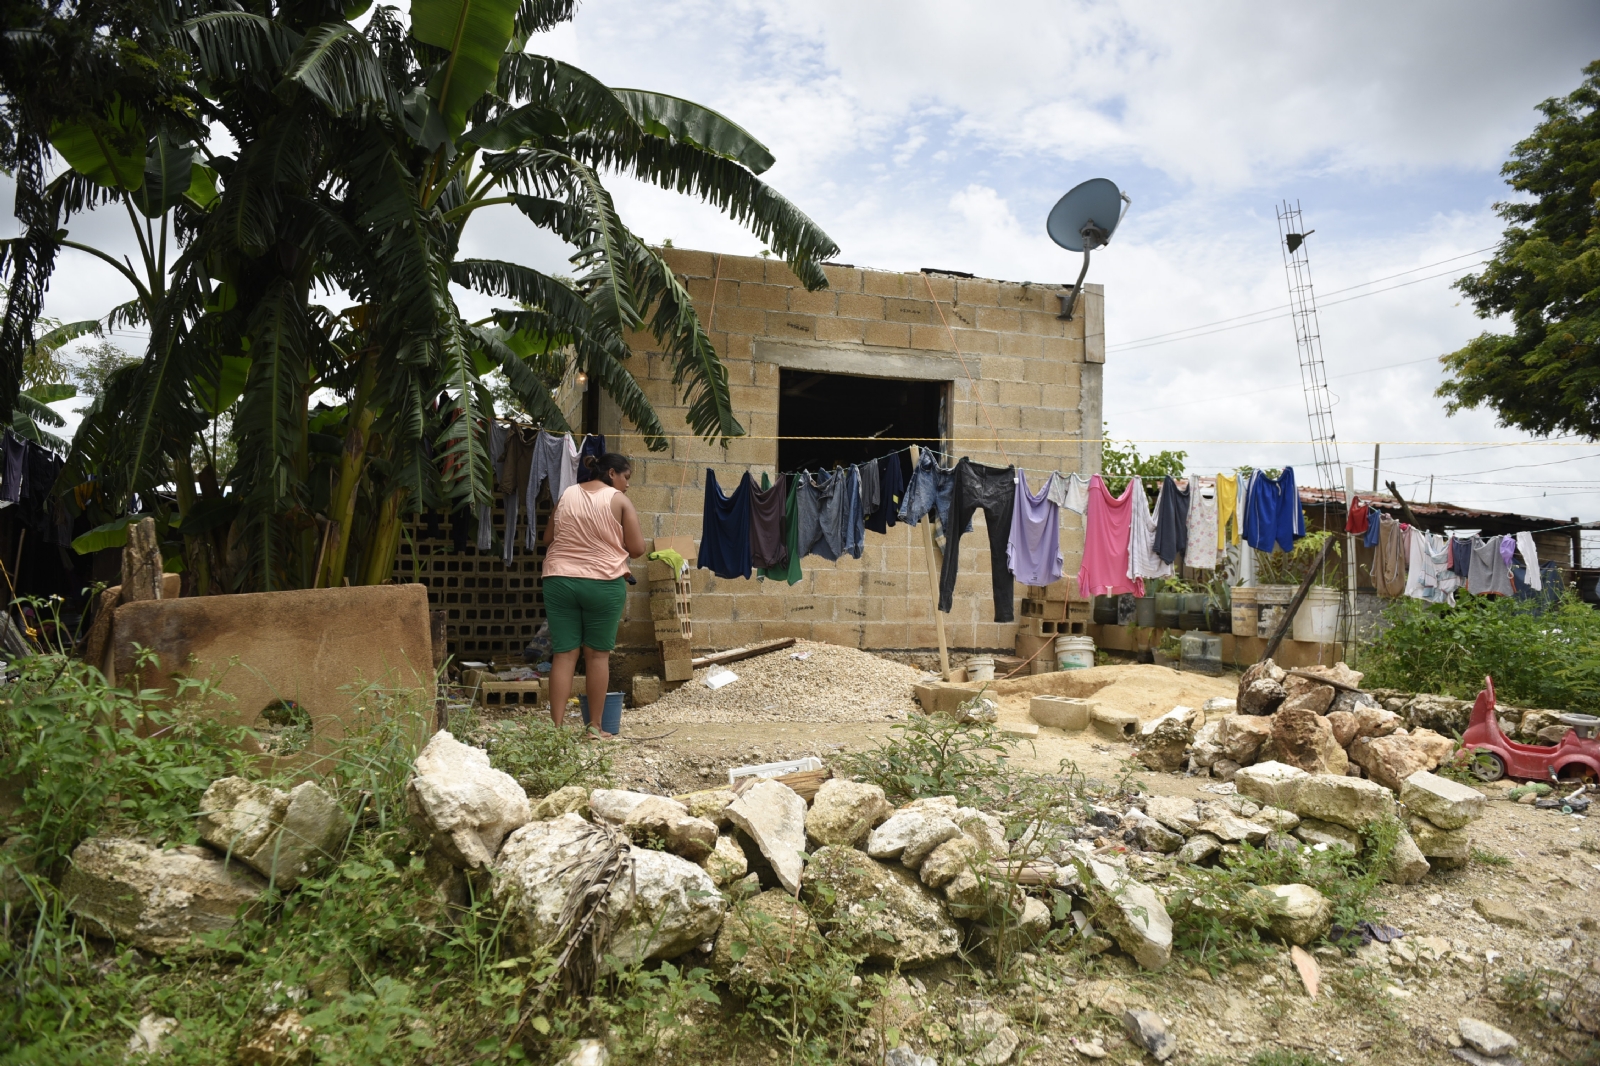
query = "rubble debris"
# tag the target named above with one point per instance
(590, 1052)
(1261, 689)
(462, 804)
(710, 804)
(1445, 848)
(1176, 813)
(727, 862)
(1302, 738)
(668, 822)
(774, 817)
(889, 914)
(1305, 965)
(1241, 737)
(1297, 913)
(1273, 783)
(766, 928)
(1198, 848)
(157, 900)
(150, 1035)
(284, 1040)
(986, 1031)
(283, 836)
(1447, 804)
(1391, 759)
(1347, 801)
(1485, 1038)
(1407, 864)
(907, 827)
(1162, 742)
(564, 799)
(1151, 1033)
(1500, 912)
(1317, 833)
(1131, 913)
(844, 812)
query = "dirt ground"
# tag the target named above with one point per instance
(1394, 1004)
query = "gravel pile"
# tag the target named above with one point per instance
(829, 684)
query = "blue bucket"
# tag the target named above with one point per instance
(611, 718)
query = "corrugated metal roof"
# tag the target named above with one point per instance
(1447, 514)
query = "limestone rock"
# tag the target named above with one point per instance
(1315, 831)
(613, 805)
(1260, 697)
(1176, 813)
(1407, 865)
(1151, 835)
(566, 798)
(285, 1040)
(1131, 913)
(1205, 749)
(1347, 801)
(1304, 739)
(1240, 736)
(768, 928)
(1198, 849)
(1231, 829)
(975, 893)
(1266, 668)
(1375, 722)
(949, 859)
(1390, 760)
(1441, 847)
(1224, 769)
(1306, 694)
(1447, 804)
(1344, 725)
(153, 899)
(726, 863)
(1500, 912)
(283, 836)
(1337, 674)
(1276, 818)
(659, 820)
(1162, 741)
(1273, 783)
(590, 1052)
(891, 839)
(844, 812)
(1439, 713)
(1150, 1033)
(985, 828)
(1297, 913)
(668, 906)
(710, 804)
(866, 899)
(774, 816)
(1483, 1037)
(988, 1032)
(462, 804)
(151, 1033)
(1349, 701)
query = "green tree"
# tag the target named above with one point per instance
(348, 161)
(1119, 464)
(1544, 376)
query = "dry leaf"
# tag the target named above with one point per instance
(1310, 972)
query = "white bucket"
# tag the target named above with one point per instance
(980, 668)
(1317, 620)
(1074, 653)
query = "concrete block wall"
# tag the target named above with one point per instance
(1024, 388)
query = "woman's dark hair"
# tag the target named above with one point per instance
(606, 465)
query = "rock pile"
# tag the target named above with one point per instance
(1438, 813)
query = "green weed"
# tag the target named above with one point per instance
(1285, 1057)
(1489, 858)
(543, 756)
(933, 755)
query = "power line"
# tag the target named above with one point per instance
(1276, 388)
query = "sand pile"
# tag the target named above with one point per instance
(1148, 691)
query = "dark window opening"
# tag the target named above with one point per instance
(843, 405)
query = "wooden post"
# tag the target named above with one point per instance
(1294, 604)
(1349, 564)
(1405, 508)
(935, 564)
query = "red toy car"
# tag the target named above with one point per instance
(1494, 755)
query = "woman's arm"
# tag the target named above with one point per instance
(550, 528)
(632, 535)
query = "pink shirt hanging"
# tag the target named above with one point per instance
(1106, 528)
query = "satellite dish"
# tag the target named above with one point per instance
(1084, 220)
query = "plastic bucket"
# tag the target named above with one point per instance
(610, 718)
(1274, 601)
(1246, 612)
(1105, 610)
(1144, 612)
(980, 668)
(1317, 620)
(1074, 653)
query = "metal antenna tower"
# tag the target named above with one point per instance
(1308, 339)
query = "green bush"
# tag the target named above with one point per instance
(543, 756)
(934, 755)
(1539, 655)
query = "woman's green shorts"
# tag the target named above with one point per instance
(584, 612)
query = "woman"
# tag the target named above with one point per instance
(591, 536)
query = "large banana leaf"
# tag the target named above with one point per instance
(336, 65)
(216, 392)
(168, 176)
(475, 34)
(684, 120)
(51, 393)
(108, 149)
(527, 286)
(66, 333)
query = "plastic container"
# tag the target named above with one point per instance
(1105, 610)
(980, 668)
(1144, 612)
(1201, 651)
(1167, 608)
(1127, 609)
(1218, 619)
(1246, 613)
(1317, 620)
(1074, 653)
(1274, 601)
(610, 718)
(1192, 610)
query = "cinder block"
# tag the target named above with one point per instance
(888, 334)
(646, 689)
(843, 278)
(785, 324)
(674, 647)
(917, 312)
(841, 329)
(860, 305)
(971, 291)
(1062, 712)
(1000, 319)
(1114, 724)
(513, 693)
(885, 283)
(778, 273)
(934, 338)
(766, 297)
(740, 268)
(677, 670)
(663, 607)
(821, 302)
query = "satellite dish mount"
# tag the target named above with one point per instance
(1082, 221)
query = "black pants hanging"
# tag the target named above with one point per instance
(992, 489)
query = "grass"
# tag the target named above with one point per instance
(1484, 857)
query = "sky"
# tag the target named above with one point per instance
(939, 133)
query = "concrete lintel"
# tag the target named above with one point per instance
(861, 360)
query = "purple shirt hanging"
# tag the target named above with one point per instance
(1034, 550)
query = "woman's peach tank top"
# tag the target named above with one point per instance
(588, 541)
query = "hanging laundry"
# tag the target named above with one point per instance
(1461, 558)
(991, 489)
(768, 547)
(1246, 575)
(16, 467)
(725, 528)
(1272, 517)
(817, 492)
(789, 571)
(855, 519)
(1530, 559)
(928, 491)
(1230, 517)
(1107, 521)
(1172, 521)
(1373, 526)
(1201, 550)
(499, 433)
(555, 464)
(891, 488)
(594, 444)
(1508, 549)
(868, 475)
(1356, 521)
(517, 465)
(1034, 549)
(1428, 575)
(1389, 561)
(1489, 575)
(1068, 490)
(1143, 562)
(840, 519)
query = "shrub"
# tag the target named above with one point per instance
(1540, 655)
(543, 756)
(932, 755)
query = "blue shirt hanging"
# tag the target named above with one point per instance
(725, 528)
(1272, 517)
